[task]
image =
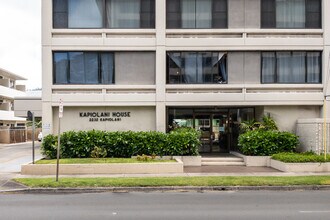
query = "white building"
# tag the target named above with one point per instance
(208, 64)
(8, 91)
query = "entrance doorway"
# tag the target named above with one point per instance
(219, 127)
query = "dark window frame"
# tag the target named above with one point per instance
(213, 25)
(182, 69)
(99, 68)
(273, 24)
(105, 24)
(306, 72)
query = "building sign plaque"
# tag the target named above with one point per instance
(104, 116)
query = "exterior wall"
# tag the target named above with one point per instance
(23, 105)
(244, 67)
(141, 119)
(243, 40)
(235, 68)
(244, 14)
(311, 134)
(129, 71)
(287, 116)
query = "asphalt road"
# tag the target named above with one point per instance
(174, 206)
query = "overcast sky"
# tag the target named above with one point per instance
(20, 39)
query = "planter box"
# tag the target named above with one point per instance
(114, 168)
(190, 161)
(300, 167)
(254, 161)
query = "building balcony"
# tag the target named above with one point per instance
(233, 39)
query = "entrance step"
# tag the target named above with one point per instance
(222, 161)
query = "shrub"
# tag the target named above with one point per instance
(266, 142)
(307, 157)
(98, 152)
(81, 144)
(267, 124)
(49, 146)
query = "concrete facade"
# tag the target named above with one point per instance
(141, 87)
(9, 90)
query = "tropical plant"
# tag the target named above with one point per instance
(268, 123)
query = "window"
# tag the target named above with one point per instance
(83, 68)
(196, 67)
(291, 13)
(104, 13)
(196, 14)
(291, 67)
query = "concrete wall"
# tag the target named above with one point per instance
(244, 13)
(244, 67)
(287, 116)
(23, 105)
(141, 119)
(135, 68)
(311, 136)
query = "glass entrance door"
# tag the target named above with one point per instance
(219, 127)
(203, 124)
(214, 131)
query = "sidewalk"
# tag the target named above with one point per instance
(8, 186)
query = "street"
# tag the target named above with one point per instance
(182, 205)
(12, 157)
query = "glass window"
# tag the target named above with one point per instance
(196, 67)
(83, 68)
(103, 13)
(60, 13)
(291, 67)
(85, 13)
(61, 67)
(291, 14)
(123, 13)
(268, 67)
(180, 118)
(196, 14)
(313, 67)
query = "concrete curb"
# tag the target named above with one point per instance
(163, 189)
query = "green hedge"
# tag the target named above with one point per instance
(307, 157)
(80, 144)
(266, 143)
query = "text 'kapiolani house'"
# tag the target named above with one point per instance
(145, 65)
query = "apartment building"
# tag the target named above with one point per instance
(207, 64)
(9, 89)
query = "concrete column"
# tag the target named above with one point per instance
(161, 117)
(160, 65)
(236, 14)
(160, 22)
(252, 13)
(47, 23)
(47, 118)
(47, 73)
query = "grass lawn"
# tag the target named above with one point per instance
(176, 181)
(100, 160)
(300, 158)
